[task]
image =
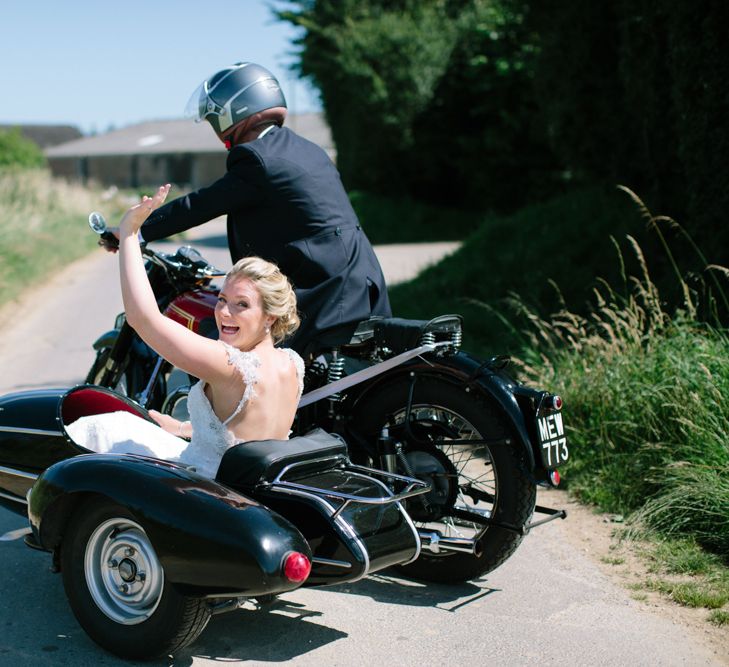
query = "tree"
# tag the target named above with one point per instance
(376, 65)
(635, 92)
(17, 151)
(431, 98)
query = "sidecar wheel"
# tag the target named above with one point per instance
(486, 479)
(117, 589)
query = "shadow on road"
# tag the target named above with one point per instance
(274, 633)
(283, 630)
(391, 589)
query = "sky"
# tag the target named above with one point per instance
(98, 65)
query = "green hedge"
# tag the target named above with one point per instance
(17, 151)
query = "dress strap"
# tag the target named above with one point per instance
(247, 364)
(299, 365)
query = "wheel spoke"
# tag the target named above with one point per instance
(476, 479)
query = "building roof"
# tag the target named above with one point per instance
(177, 136)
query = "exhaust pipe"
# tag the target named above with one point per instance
(434, 542)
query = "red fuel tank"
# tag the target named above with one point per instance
(196, 311)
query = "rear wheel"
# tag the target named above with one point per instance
(117, 589)
(457, 442)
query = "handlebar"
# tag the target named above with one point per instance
(185, 260)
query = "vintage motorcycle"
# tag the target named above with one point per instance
(405, 398)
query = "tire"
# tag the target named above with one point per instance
(444, 412)
(117, 589)
(132, 381)
(94, 375)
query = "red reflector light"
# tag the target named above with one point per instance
(555, 478)
(557, 402)
(296, 567)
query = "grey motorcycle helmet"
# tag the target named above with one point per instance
(233, 94)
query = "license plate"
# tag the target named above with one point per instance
(552, 439)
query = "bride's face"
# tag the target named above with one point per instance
(239, 314)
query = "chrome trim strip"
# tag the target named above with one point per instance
(321, 459)
(332, 563)
(365, 374)
(30, 431)
(15, 499)
(18, 473)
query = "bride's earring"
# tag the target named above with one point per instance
(267, 329)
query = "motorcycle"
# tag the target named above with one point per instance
(405, 398)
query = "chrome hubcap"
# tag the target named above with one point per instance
(122, 571)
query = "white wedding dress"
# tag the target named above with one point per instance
(125, 433)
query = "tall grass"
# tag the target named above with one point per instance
(646, 391)
(42, 226)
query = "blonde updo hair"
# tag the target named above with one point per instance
(277, 295)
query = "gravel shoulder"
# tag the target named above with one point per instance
(593, 534)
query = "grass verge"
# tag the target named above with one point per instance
(644, 377)
(43, 226)
(680, 570)
(646, 391)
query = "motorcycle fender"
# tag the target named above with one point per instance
(106, 340)
(209, 539)
(466, 371)
(502, 390)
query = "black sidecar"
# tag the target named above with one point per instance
(149, 549)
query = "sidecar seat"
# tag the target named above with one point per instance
(250, 463)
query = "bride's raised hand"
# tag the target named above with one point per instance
(133, 219)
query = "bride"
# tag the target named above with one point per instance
(248, 389)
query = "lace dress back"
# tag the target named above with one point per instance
(211, 436)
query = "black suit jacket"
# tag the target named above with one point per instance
(285, 202)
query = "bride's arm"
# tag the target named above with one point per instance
(171, 425)
(194, 354)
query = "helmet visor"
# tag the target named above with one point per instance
(201, 106)
(196, 107)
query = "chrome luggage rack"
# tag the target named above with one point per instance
(414, 487)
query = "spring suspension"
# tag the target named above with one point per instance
(335, 372)
(456, 338)
(428, 338)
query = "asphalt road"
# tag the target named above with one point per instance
(548, 605)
